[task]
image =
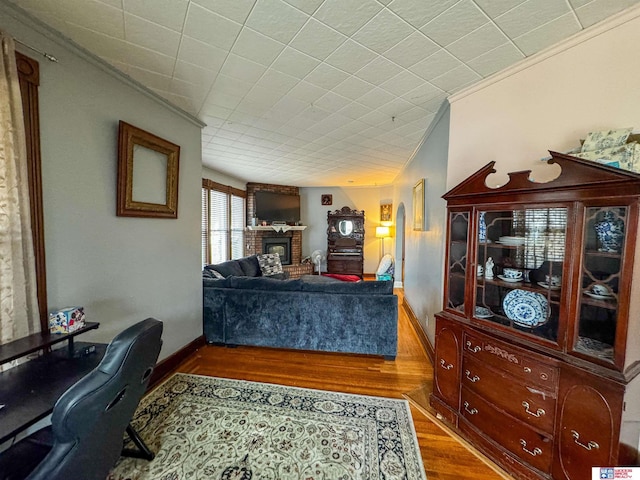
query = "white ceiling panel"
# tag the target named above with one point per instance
(167, 13)
(420, 13)
(546, 35)
(236, 10)
(460, 20)
(350, 57)
(411, 50)
(276, 19)
(210, 27)
(314, 92)
(257, 47)
(347, 16)
(317, 40)
(529, 15)
(592, 12)
(383, 32)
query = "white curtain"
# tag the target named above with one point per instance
(18, 291)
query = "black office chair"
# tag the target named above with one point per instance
(89, 420)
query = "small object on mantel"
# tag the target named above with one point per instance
(66, 320)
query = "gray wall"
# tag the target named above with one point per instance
(314, 214)
(121, 270)
(424, 250)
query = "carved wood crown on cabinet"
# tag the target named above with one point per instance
(537, 348)
(345, 240)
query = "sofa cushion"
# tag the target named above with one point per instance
(250, 266)
(358, 288)
(280, 276)
(216, 282)
(265, 283)
(270, 264)
(227, 269)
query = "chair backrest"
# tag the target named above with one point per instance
(90, 418)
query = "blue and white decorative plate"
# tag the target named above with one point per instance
(483, 312)
(527, 309)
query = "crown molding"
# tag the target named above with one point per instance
(53, 35)
(576, 39)
(444, 106)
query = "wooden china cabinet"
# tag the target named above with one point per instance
(345, 239)
(538, 345)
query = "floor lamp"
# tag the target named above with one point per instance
(383, 232)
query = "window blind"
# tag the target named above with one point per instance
(545, 234)
(223, 221)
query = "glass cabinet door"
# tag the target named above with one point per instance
(519, 265)
(602, 259)
(457, 266)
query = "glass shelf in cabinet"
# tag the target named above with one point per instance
(610, 304)
(597, 253)
(502, 246)
(594, 348)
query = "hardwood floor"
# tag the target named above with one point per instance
(442, 455)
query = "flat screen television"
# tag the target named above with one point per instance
(277, 207)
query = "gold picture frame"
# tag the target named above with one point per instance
(385, 212)
(418, 206)
(147, 174)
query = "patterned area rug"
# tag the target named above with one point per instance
(205, 427)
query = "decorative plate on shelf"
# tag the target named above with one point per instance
(607, 296)
(527, 309)
(483, 312)
(510, 280)
(549, 287)
(512, 241)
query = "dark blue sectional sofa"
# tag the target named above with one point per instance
(310, 313)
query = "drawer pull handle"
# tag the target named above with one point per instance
(471, 411)
(538, 413)
(589, 446)
(445, 365)
(473, 379)
(475, 349)
(534, 453)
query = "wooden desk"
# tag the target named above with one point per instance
(30, 390)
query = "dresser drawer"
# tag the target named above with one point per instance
(511, 359)
(527, 402)
(346, 266)
(521, 440)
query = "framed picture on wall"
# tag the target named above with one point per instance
(385, 212)
(326, 199)
(418, 205)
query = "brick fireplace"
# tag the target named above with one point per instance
(255, 239)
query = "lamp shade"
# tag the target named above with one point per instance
(383, 232)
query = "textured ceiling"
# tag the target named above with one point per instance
(314, 92)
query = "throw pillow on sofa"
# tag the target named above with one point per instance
(211, 273)
(250, 266)
(270, 264)
(227, 269)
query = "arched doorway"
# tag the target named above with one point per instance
(400, 244)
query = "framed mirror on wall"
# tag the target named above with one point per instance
(147, 174)
(418, 206)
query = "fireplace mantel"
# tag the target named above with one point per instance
(277, 228)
